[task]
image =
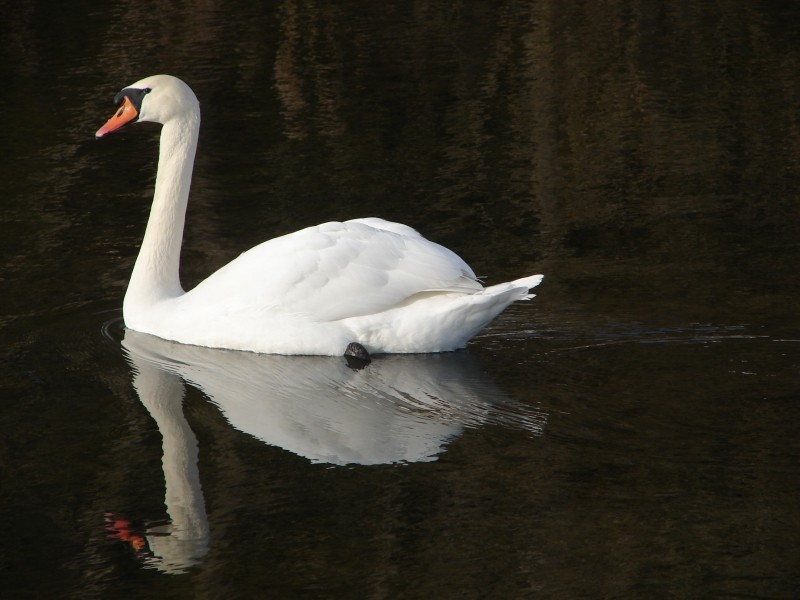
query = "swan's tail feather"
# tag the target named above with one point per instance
(528, 282)
(522, 285)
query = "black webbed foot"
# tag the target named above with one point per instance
(357, 356)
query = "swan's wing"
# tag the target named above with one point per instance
(335, 271)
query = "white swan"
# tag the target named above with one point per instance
(369, 281)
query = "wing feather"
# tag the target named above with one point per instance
(335, 271)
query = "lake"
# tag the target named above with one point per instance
(632, 432)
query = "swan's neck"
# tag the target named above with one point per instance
(156, 272)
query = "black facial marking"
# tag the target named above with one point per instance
(135, 95)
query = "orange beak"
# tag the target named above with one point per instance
(125, 114)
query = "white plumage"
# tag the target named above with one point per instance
(370, 281)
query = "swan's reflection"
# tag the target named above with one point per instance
(399, 409)
(182, 541)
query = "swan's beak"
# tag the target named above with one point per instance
(125, 114)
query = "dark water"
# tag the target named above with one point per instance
(633, 432)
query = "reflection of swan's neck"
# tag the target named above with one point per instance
(187, 539)
(155, 275)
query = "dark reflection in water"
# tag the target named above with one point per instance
(400, 409)
(644, 156)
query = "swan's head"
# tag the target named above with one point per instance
(159, 99)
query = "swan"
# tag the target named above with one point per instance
(368, 284)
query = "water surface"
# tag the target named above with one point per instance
(632, 432)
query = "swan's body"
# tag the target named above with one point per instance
(370, 281)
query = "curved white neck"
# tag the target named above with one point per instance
(156, 272)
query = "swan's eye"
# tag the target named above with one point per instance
(147, 90)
